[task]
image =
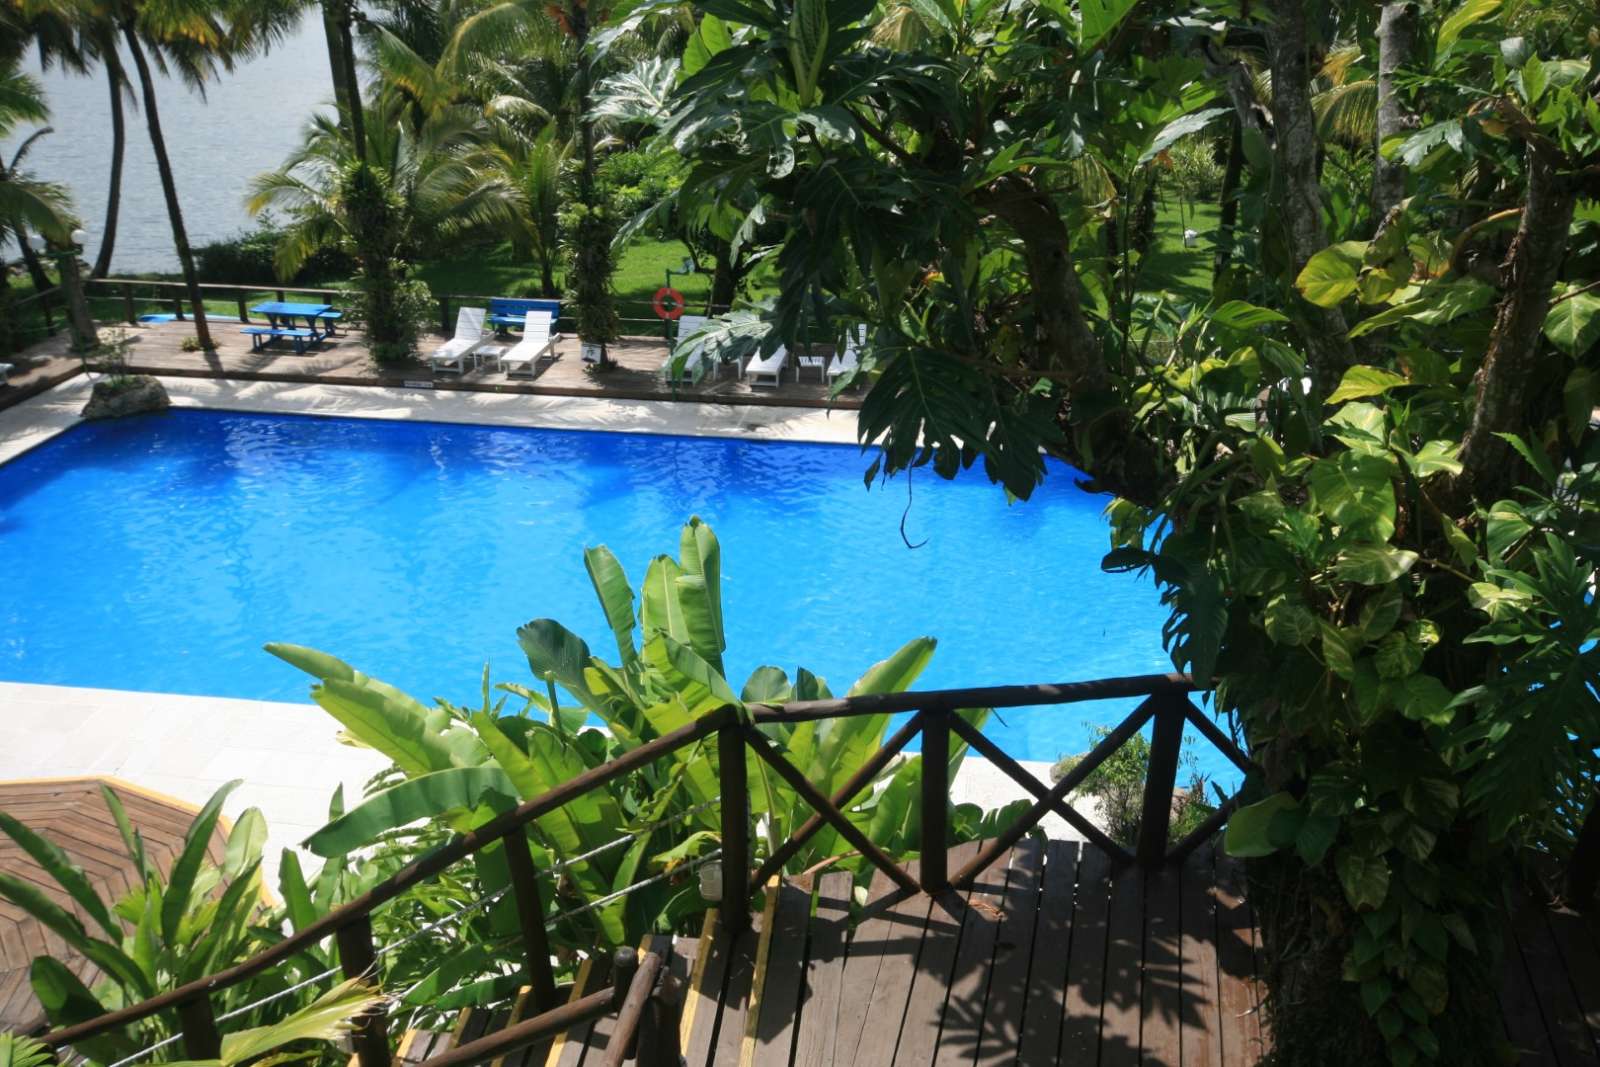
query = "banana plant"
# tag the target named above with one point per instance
(171, 927)
(460, 766)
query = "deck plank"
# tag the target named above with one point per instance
(707, 993)
(817, 1038)
(1201, 1002)
(1239, 1011)
(962, 1022)
(776, 1023)
(1576, 943)
(872, 936)
(1013, 952)
(930, 985)
(1120, 1010)
(1040, 1041)
(1161, 978)
(1558, 1005)
(906, 922)
(1085, 993)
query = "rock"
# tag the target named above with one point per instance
(128, 394)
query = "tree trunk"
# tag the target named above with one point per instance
(347, 55)
(1228, 201)
(1507, 381)
(547, 275)
(724, 281)
(334, 40)
(1397, 38)
(580, 34)
(1297, 193)
(36, 272)
(169, 187)
(116, 78)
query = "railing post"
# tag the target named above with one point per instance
(370, 1035)
(1166, 739)
(177, 304)
(127, 303)
(444, 313)
(530, 914)
(244, 314)
(281, 297)
(935, 799)
(44, 305)
(735, 827)
(659, 1047)
(200, 1038)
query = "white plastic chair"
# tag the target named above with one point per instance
(771, 367)
(522, 359)
(454, 353)
(695, 365)
(849, 360)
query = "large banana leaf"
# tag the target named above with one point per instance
(67, 1002)
(661, 610)
(180, 894)
(130, 837)
(426, 796)
(226, 933)
(297, 903)
(700, 590)
(616, 600)
(556, 652)
(699, 683)
(325, 1019)
(67, 874)
(244, 842)
(586, 822)
(416, 737)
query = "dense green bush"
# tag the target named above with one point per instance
(1118, 784)
(246, 258)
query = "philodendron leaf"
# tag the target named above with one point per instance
(1573, 323)
(1373, 564)
(1362, 381)
(1365, 878)
(422, 797)
(1332, 274)
(1262, 828)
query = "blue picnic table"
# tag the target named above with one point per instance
(288, 310)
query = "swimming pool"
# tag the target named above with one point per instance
(160, 553)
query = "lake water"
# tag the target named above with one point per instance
(248, 121)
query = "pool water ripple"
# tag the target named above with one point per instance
(160, 553)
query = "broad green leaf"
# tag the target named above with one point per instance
(701, 686)
(130, 837)
(1363, 381)
(326, 1019)
(244, 842)
(1464, 16)
(292, 887)
(399, 728)
(1373, 564)
(1355, 492)
(699, 591)
(1100, 17)
(423, 797)
(1240, 315)
(1262, 828)
(660, 609)
(554, 651)
(181, 880)
(1426, 699)
(66, 1002)
(1435, 457)
(470, 961)
(1289, 622)
(1573, 323)
(1365, 878)
(327, 668)
(1180, 128)
(1331, 275)
(616, 597)
(65, 925)
(58, 865)
(767, 685)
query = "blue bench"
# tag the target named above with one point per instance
(507, 312)
(261, 336)
(329, 320)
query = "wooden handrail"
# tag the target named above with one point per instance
(1166, 699)
(420, 870)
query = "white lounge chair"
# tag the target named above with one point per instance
(696, 364)
(454, 353)
(522, 359)
(848, 361)
(771, 367)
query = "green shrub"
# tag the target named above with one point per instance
(246, 258)
(1193, 172)
(1118, 784)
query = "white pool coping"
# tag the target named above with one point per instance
(288, 754)
(54, 411)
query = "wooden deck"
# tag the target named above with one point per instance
(1051, 957)
(71, 813)
(155, 348)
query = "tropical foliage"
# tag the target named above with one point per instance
(457, 766)
(1361, 471)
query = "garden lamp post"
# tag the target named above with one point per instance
(85, 339)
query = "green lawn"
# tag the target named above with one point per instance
(1184, 271)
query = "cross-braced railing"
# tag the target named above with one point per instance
(640, 992)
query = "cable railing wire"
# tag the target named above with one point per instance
(469, 909)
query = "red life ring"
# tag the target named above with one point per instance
(668, 302)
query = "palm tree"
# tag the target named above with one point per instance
(25, 202)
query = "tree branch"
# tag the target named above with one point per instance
(1506, 380)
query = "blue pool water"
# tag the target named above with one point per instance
(160, 553)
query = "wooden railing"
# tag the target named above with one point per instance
(173, 297)
(1165, 702)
